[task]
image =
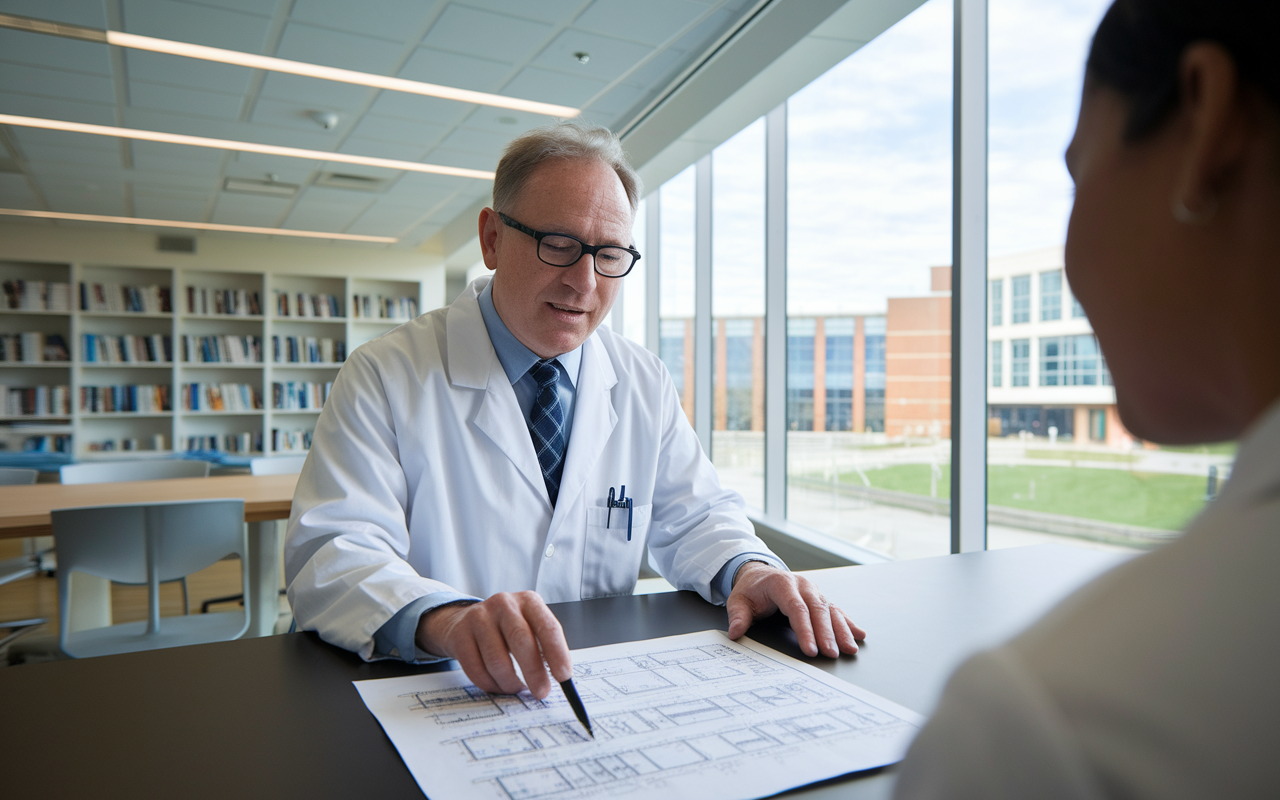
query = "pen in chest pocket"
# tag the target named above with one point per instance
(622, 501)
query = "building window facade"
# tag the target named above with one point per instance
(671, 350)
(1051, 361)
(1020, 362)
(873, 360)
(1020, 291)
(739, 335)
(1051, 295)
(1077, 310)
(997, 301)
(800, 333)
(839, 373)
(996, 365)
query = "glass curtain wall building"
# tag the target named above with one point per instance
(867, 366)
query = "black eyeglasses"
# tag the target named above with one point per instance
(563, 250)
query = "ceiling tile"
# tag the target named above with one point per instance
(420, 109)
(260, 7)
(619, 99)
(454, 69)
(75, 12)
(379, 149)
(152, 119)
(37, 137)
(258, 167)
(534, 83)
(185, 22)
(388, 19)
(184, 100)
(178, 71)
(386, 220)
(314, 94)
(659, 70)
(316, 215)
(485, 34)
(69, 170)
(545, 10)
(79, 197)
(485, 143)
(53, 51)
(42, 159)
(157, 207)
(15, 193)
(245, 209)
(57, 83)
(651, 22)
(415, 186)
(403, 131)
(51, 108)
(610, 57)
(173, 158)
(503, 121)
(338, 197)
(336, 49)
(457, 158)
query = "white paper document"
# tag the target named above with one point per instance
(693, 716)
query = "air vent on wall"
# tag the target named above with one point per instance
(268, 188)
(359, 183)
(176, 244)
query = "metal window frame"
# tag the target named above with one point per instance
(775, 314)
(702, 322)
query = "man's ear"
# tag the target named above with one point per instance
(1213, 105)
(490, 229)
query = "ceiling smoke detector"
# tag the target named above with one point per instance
(325, 119)
(582, 56)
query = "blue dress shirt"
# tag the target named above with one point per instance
(397, 636)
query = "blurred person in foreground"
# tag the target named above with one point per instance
(1159, 679)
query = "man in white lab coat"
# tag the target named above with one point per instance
(462, 471)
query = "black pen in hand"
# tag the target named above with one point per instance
(575, 702)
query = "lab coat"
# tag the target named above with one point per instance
(422, 478)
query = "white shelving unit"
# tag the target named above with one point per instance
(160, 432)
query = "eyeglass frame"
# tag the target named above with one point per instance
(587, 249)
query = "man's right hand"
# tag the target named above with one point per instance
(483, 637)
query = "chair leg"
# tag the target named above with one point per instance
(186, 603)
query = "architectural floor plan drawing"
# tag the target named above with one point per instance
(692, 716)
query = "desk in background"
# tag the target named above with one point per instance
(278, 717)
(24, 511)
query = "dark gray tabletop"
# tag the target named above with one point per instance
(278, 717)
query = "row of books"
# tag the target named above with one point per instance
(220, 397)
(222, 349)
(290, 441)
(138, 398)
(131, 443)
(301, 304)
(307, 350)
(99, 349)
(33, 347)
(37, 295)
(232, 302)
(116, 298)
(376, 306)
(299, 395)
(36, 401)
(50, 443)
(225, 443)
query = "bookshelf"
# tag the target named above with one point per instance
(170, 328)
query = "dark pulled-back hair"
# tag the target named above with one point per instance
(1139, 46)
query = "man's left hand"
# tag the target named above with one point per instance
(760, 589)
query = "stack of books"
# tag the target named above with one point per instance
(220, 397)
(301, 304)
(226, 443)
(299, 395)
(307, 350)
(36, 401)
(37, 296)
(222, 349)
(290, 441)
(33, 348)
(135, 398)
(113, 298)
(99, 349)
(230, 302)
(104, 445)
(376, 306)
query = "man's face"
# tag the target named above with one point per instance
(552, 310)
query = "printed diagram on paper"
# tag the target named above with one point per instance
(696, 715)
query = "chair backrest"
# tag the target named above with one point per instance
(16, 476)
(277, 465)
(117, 471)
(145, 543)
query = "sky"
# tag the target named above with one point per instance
(869, 166)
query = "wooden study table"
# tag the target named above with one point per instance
(278, 717)
(24, 511)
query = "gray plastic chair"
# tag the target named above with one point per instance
(276, 465)
(117, 471)
(149, 543)
(16, 476)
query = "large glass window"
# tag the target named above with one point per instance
(676, 286)
(634, 294)
(869, 327)
(1058, 447)
(996, 365)
(996, 304)
(737, 300)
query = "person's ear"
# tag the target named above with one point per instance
(1214, 110)
(490, 229)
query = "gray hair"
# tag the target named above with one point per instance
(560, 141)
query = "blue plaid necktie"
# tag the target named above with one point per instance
(546, 424)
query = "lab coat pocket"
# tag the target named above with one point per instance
(611, 564)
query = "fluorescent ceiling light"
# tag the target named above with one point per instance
(281, 65)
(199, 226)
(243, 147)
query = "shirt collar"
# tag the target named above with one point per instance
(516, 359)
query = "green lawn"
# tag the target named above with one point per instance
(1081, 455)
(1132, 498)
(1218, 449)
